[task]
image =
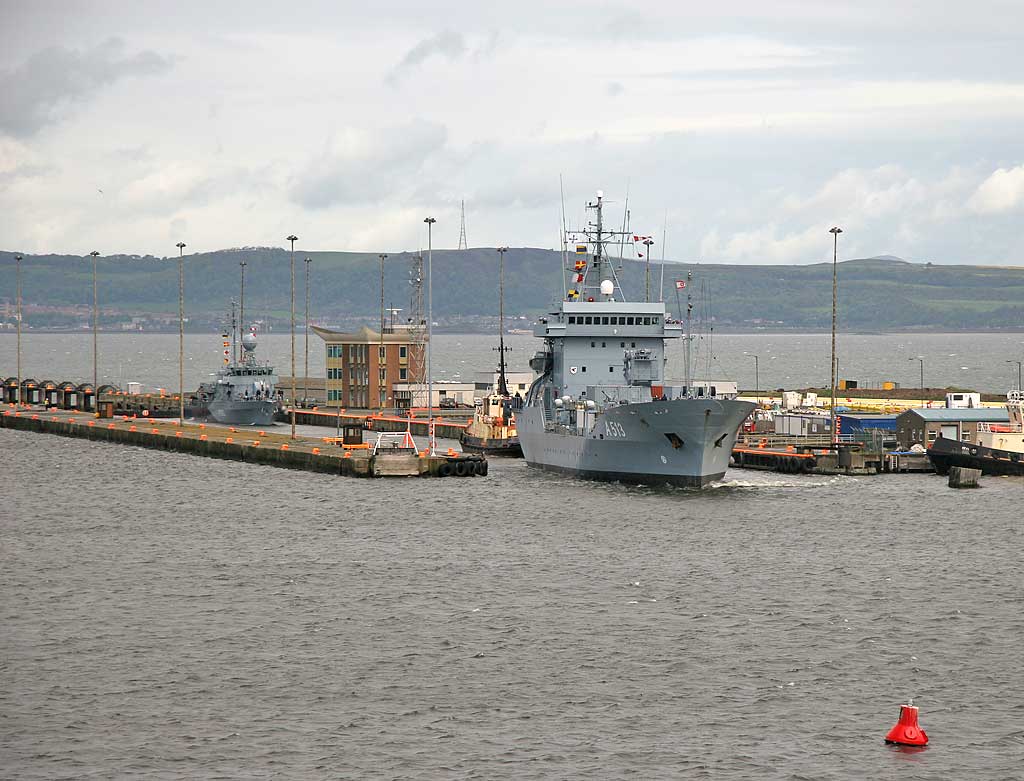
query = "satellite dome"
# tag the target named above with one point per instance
(607, 287)
(249, 341)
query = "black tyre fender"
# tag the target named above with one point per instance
(445, 470)
(461, 468)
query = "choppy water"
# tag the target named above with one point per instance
(978, 361)
(164, 616)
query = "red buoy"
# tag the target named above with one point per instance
(907, 732)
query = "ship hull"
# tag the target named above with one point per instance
(509, 448)
(945, 453)
(243, 413)
(682, 442)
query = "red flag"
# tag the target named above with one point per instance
(680, 284)
(636, 238)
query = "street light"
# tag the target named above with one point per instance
(382, 393)
(757, 378)
(305, 341)
(293, 238)
(921, 359)
(17, 261)
(430, 322)
(835, 288)
(95, 338)
(181, 333)
(1019, 386)
(647, 256)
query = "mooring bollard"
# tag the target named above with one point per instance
(963, 477)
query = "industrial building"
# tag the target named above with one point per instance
(922, 426)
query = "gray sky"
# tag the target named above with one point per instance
(751, 130)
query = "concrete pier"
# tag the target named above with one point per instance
(242, 444)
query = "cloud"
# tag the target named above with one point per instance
(364, 167)
(445, 44)
(52, 81)
(1003, 191)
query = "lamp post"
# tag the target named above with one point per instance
(757, 379)
(835, 289)
(305, 341)
(1019, 386)
(430, 322)
(95, 338)
(181, 333)
(647, 271)
(293, 238)
(17, 261)
(921, 359)
(241, 306)
(382, 393)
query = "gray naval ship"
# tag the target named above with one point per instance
(242, 393)
(601, 408)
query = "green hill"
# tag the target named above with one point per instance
(875, 294)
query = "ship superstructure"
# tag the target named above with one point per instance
(602, 407)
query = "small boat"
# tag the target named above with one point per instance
(999, 449)
(493, 427)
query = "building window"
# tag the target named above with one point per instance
(932, 435)
(403, 374)
(334, 350)
(403, 351)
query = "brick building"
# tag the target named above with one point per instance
(364, 366)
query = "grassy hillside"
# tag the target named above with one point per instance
(874, 294)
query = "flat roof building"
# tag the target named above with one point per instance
(364, 366)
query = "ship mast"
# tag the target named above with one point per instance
(502, 383)
(689, 310)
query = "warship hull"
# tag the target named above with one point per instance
(243, 413)
(682, 442)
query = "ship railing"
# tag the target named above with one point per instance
(998, 428)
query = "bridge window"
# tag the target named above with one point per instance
(611, 368)
(589, 321)
(647, 321)
(604, 321)
(629, 321)
(572, 319)
(583, 369)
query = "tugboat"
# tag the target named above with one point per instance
(998, 451)
(601, 408)
(493, 428)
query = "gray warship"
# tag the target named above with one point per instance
(243, 392)
(601, 407)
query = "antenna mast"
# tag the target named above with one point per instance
(417, 325)
(463, 242)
